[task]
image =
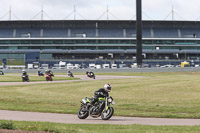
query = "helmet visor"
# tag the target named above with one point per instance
(109, 88)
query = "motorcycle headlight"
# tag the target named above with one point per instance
(84, 101)
(109, 100)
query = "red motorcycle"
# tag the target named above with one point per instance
(49, 77)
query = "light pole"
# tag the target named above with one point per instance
(139, 32)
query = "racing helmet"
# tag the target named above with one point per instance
(107, 87)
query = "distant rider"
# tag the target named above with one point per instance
(91, 74)
(24, 73)
(70, 74)
(40, 73)
(49, 72)
(102, 92)
(1, 73)
(87, 73)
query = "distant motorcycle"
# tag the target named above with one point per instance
(1, 73)
(101, 108)
(40, 73)
(49, 77)
(70, 74)
(90, 75)
(25, 78)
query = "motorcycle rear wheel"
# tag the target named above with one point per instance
(82, 114)
(108, 114)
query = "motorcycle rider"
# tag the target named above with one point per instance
(1, 73)
(24, 73)
(91, 73)
(46, 71)
(49, 72)
(70, 74)
(102, 92)
(87, 73)
(40, 73)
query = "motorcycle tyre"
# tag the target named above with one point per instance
(109, 115)
(82, 116)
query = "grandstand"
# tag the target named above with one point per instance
(99, 41)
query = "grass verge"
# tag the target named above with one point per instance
(93, 128)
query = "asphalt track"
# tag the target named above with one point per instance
(82, 78)
(73, 119)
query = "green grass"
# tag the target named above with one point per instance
(171, 95)
(93, 128)
(32, 77)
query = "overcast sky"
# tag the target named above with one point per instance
(96, 9)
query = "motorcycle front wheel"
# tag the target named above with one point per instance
(83, 113)
(106, 115)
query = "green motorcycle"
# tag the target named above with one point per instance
(101, 108)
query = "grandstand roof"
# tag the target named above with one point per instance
(96, 24)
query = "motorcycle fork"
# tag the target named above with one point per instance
(106, 105)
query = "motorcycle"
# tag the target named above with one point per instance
(101, 108)
(25, 78)
(70, 75)
(40, 73)
(90, 75)
(49, 77)
(1, 73)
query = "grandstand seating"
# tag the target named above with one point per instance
(83, 32)
(165, 33)
(55, 32)
(6, 33)
(110, 32)
(130, 32)
(190, 33)
(27, 32)
(102, 32)
(146, 33)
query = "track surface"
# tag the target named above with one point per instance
(73, 119)
(82, 78)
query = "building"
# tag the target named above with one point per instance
(102, 41)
